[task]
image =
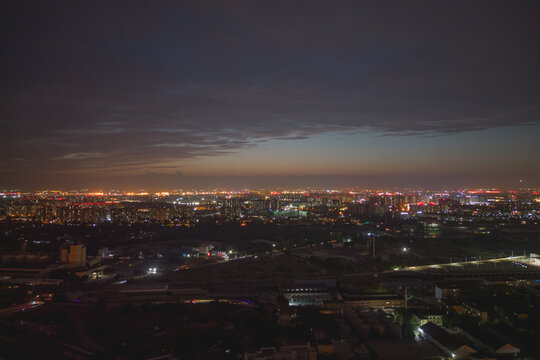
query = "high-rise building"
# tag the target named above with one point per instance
(74, 255)
(432, 230)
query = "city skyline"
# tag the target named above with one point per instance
(264, 180)
(277, 95)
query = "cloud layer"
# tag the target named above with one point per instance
(135, 86)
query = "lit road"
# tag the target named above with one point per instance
(31, 305)
(523, 261)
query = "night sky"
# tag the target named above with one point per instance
(196, 94)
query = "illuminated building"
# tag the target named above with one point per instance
(432, 230)
(74, 255)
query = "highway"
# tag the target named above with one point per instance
(29, 306)
(522, 261)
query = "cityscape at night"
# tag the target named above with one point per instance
(279, 180)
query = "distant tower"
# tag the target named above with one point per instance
(371, 244)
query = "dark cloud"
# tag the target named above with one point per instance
(129, 85)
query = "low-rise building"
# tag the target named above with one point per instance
(489, 339)
(401, 349)
(295, 352)
(424, 317)
(374, 301)
(453, 345)
(305, 295)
